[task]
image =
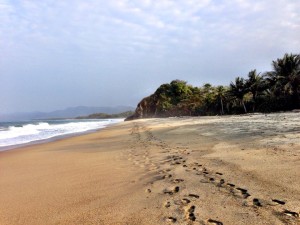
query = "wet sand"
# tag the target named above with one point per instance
(208, 170)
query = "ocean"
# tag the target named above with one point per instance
(17, 133)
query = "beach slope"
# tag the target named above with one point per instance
(205, 170)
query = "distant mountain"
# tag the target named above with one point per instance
(71, 112)
(107, 116)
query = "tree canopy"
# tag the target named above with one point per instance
(278, 89)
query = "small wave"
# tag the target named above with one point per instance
(14, 135)
(22, 130)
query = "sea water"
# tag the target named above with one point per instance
(17, 133)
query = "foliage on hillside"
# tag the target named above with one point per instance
(274, 90)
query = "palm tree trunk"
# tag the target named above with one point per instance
(254, 94)
(244, 106)
(295, 96)
(222, 107)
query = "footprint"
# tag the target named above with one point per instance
(191, 209)
(178, 180)
(219, 173)
(291, 213)
(278, 201)
(194, 196)
(256, 202)
(222, 181)
(171, 219)
(244, 192)
(172, 191)
(215, 222)
(204, 181)
(190, 213)
(167, 204)
(176, 189)
(231, 185)
(185, 201)
(246, 195)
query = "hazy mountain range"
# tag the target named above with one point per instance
(71, 112)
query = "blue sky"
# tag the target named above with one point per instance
(56, 54)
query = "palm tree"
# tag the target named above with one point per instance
(285, 76)
(220, 95)
(238, 90)
(207, 92)
(255, 84)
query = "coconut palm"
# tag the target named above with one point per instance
(255, 85)
(220, 93)
(285, 76)
(238, 90)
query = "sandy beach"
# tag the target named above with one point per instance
(193, 170)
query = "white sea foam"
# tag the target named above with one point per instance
(26, 133)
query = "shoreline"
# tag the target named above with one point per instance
(65, 136)
(52, 139)
(192, 170)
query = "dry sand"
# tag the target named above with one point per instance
(209, 170)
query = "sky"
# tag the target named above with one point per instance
(58, 54)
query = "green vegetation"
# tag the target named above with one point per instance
(106, 116)
(275, 90)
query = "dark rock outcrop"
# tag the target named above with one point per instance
(164, 102)
(146, 108)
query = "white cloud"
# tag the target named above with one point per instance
(54, 22)
(118, 34)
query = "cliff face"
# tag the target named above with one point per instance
(146, 108)
(165, 101)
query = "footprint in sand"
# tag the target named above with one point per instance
(221, 182)
(172, 190)
(178, 180)
(244, 192)
(194, 196)
(185, 201)
(291, 213)
(214, 222)
(167, 204)
(166, 176)
(171, 219)
(278, 201)
(190, 213)
(231, 185)
(211, 179)
(256, 202)
(204, 181)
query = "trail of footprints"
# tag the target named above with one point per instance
(185, 204)
(177, 157)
